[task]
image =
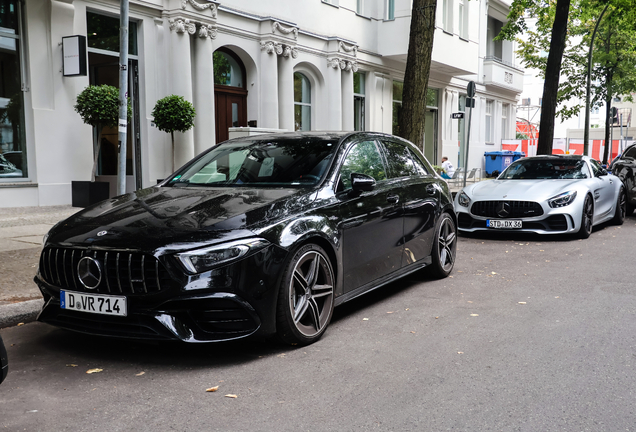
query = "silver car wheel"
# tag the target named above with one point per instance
(311, 293)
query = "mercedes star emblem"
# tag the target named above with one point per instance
(503, 209)
(102, 233)
(89, 272)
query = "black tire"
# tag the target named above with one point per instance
(306, 297)
(587, 218)
(444, 247)
(621, 208)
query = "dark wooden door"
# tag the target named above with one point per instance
(230, 104)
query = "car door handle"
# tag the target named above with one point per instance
(393, 198)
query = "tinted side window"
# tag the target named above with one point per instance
(399, 158)
(630, 153)
(363, 158)
(596, 167)
(417, 162)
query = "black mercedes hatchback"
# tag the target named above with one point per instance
(258, 235)
(624, 167)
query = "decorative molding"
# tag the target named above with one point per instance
(181, 25)
(343, 64)
(200, 7)
(207, 31)
(280, 49)
(349, 49)
(508, 77)
(286, 31)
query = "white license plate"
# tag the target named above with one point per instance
(503, 224)
(93, 303)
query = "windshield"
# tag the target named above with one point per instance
(533, 169)
(298, 162)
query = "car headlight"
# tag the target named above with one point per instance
(200, 260)
(463, 199)
(562, 200)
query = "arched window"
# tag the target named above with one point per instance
(228, 70)
(302, 102)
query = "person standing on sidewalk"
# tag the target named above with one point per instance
(448, 167)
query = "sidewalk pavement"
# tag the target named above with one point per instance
(21, 232)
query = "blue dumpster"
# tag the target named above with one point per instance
(497, 161)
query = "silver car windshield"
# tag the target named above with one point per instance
(534, 169)
(283, 163)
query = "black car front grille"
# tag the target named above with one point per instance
(122, 272)
(551, 223)
(515, 209)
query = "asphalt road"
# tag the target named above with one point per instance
(529, 334)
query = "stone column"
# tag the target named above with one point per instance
(181, 71)
(347, 98)
(333, 80)
(205, 122)
(286, 88)
(269, 84)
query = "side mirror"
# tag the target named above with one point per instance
(602, 172)
(362, 182)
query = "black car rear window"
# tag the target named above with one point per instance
(283, 163)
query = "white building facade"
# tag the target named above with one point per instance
(263, 66)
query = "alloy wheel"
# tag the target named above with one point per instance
(311, 293)
(446, 244)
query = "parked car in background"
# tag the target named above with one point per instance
(555, 194)
(4, 361)
(624, 167)
(261, 234)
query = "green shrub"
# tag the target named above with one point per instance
(173, 113)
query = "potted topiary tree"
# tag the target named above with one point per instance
(98, 106)
(173, 113)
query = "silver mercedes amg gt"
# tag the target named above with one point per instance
(555, 194)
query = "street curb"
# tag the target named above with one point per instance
(23, 312)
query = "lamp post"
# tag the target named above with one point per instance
(123, 97)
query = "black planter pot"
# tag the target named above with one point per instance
(87, 193)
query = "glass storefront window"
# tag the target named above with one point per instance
(13, 163)
(397, 106)
(103, 33)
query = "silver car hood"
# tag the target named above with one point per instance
(525, 190)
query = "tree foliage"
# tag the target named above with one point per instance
(98, 106)
(173, 113)
(614, 51)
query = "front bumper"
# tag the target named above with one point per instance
(231, 302)
(548, 224)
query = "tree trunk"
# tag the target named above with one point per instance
(96, 154)
(608, 115)
(172, 136)
(418, 66)
(552, 73)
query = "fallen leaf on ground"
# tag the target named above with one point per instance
(365, 319)
(460, 352)
(20, 324)
(522, 302)
(469, 301)
(90, 371)
(436, 317)
(474, 314)
(140, 373)
(494, 272)
(557, 297)
(212, 389)
(232, 396)
(413, 332)
(406, 309)
(390, 312)
(71, 365)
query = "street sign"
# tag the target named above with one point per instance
(470, 89)
(457, 115)
(470, 102)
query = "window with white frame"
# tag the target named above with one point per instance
(390, 10)
(463, 19)
(447, 15)
(505, 108)
(302, 102)
(489, 121)
(359, 99)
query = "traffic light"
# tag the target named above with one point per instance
(614, 116)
